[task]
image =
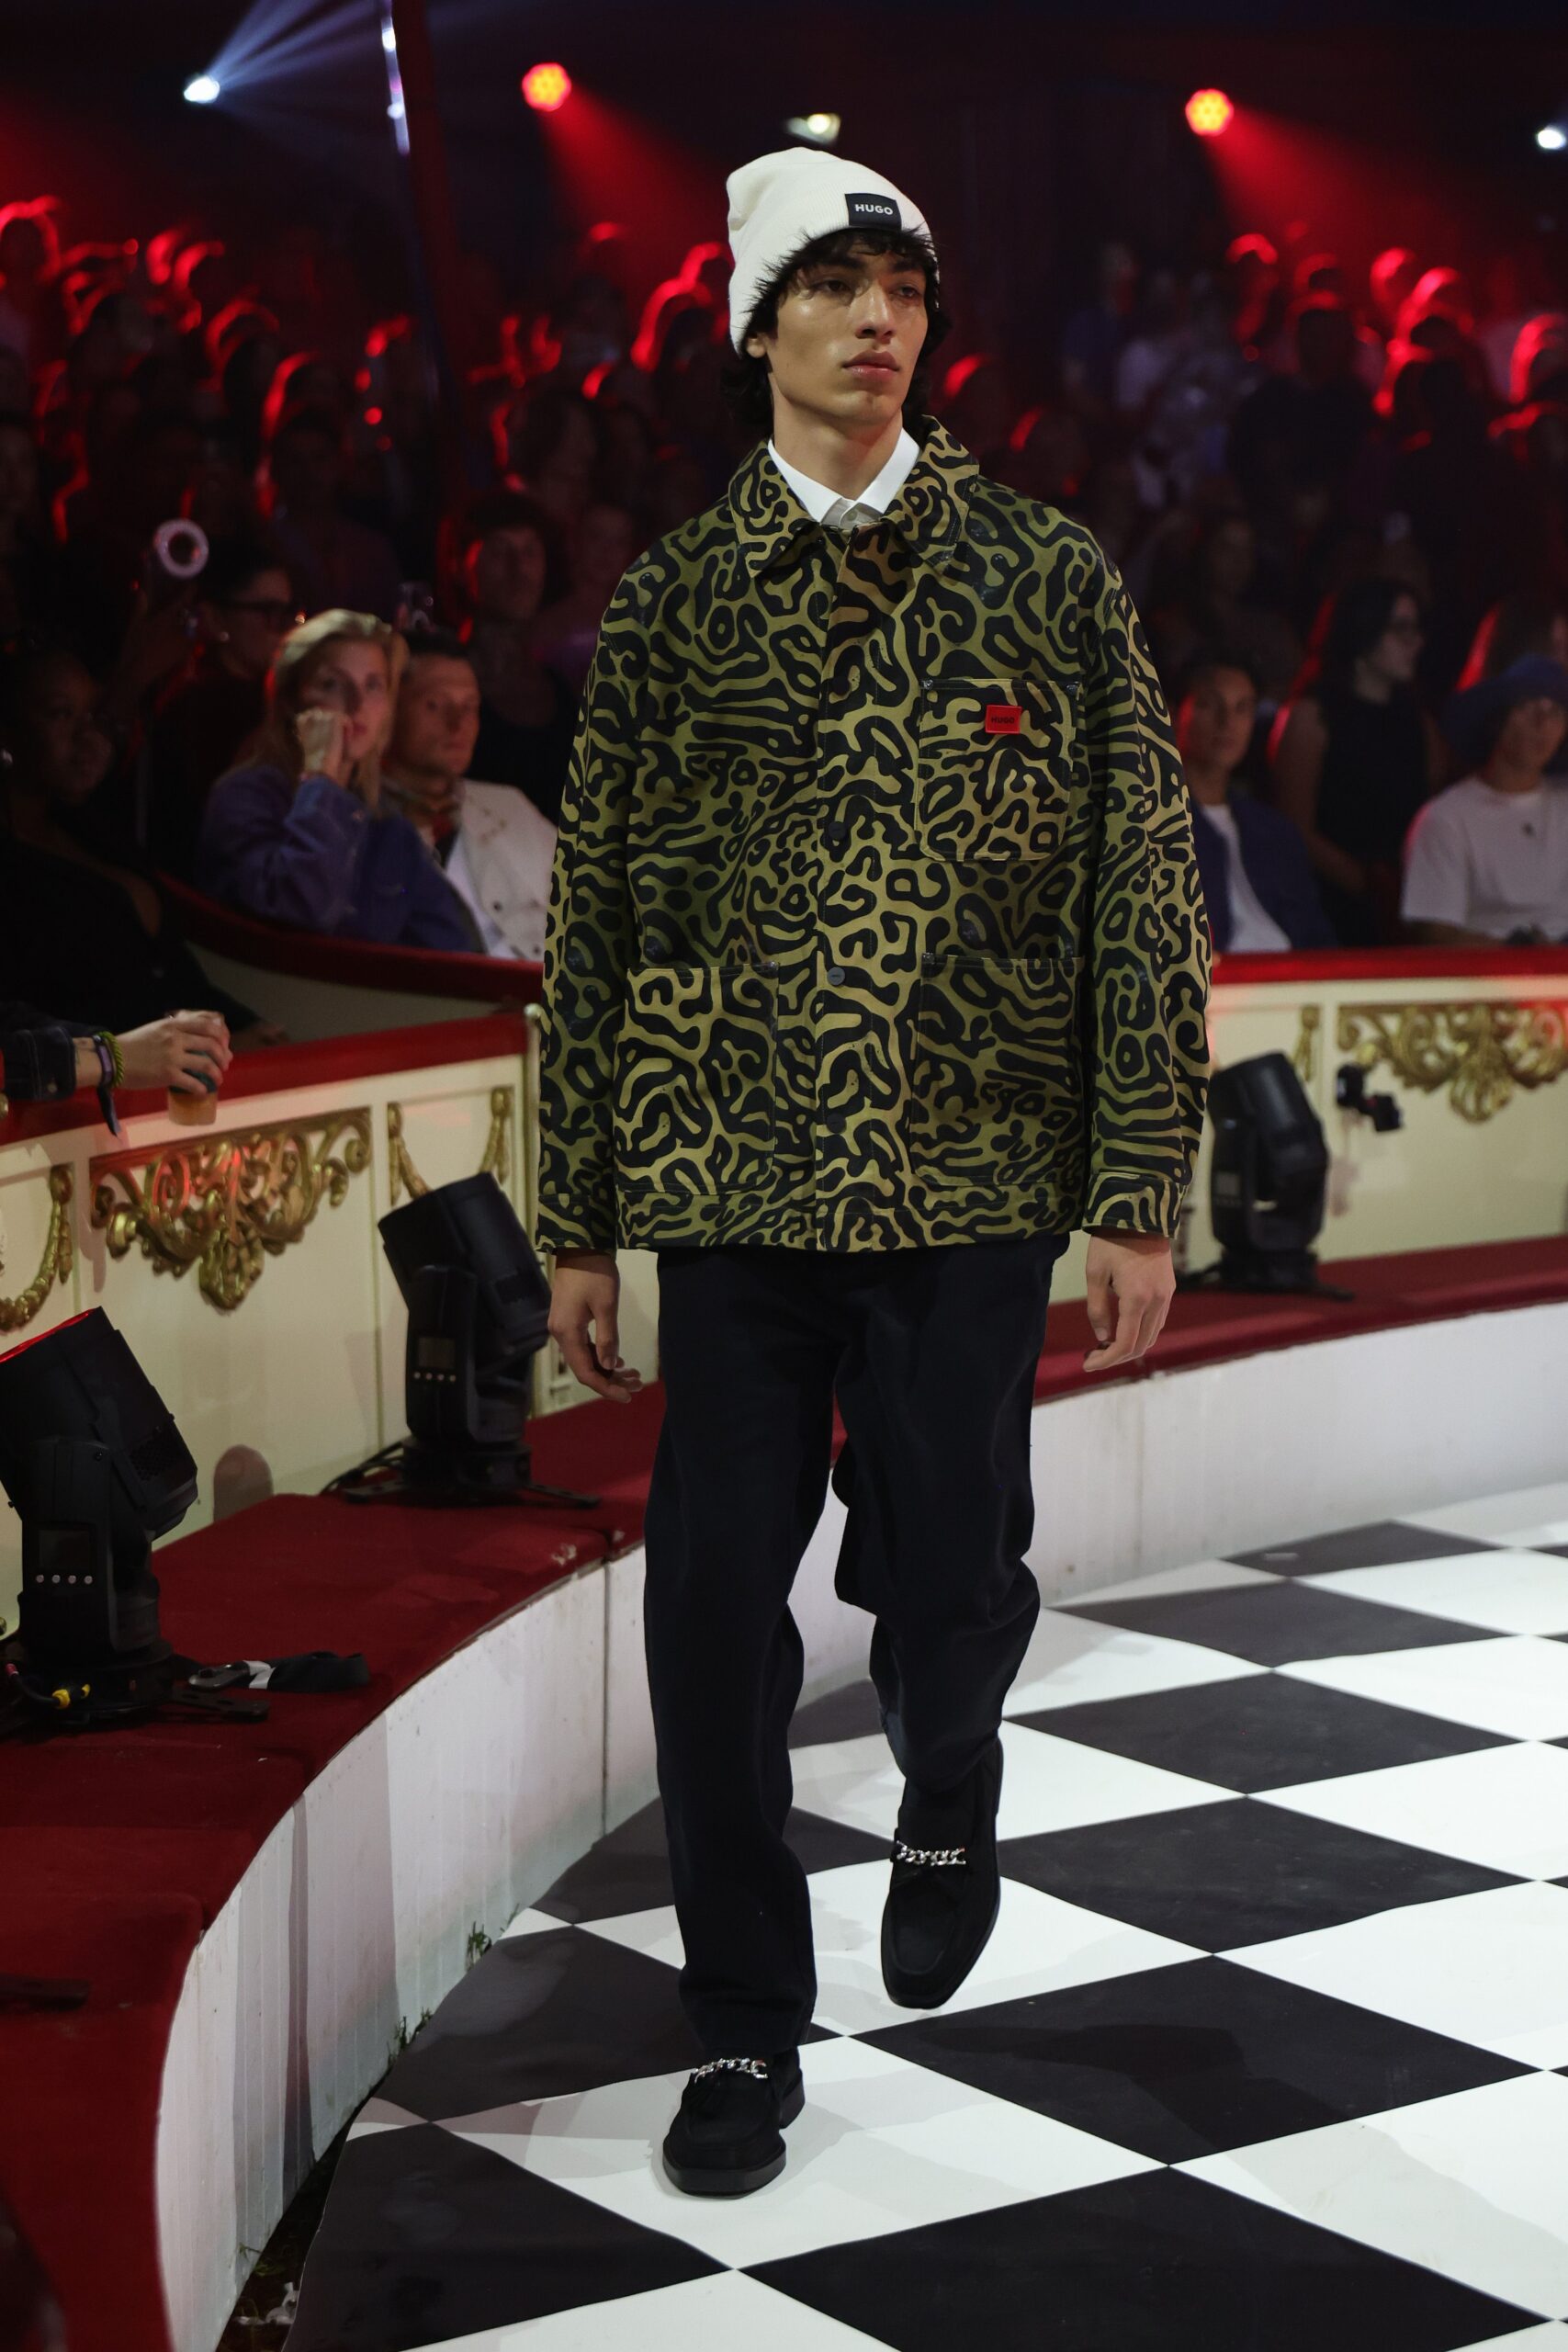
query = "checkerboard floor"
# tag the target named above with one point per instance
(1270, 2045)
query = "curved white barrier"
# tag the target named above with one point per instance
(480, 1785)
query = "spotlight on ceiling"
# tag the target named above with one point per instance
(546, 87)
(1551, 136)
(203, 90)
(820, 129)
(1207, 112)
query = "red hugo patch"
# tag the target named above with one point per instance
(1003, 718)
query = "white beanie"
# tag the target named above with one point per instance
(781, 202)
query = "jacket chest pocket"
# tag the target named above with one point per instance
(996, 761)
(995, 1087)
(694, 1100)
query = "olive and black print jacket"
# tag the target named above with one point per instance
(874, 917)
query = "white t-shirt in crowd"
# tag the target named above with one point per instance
(1490, 861)
(1253, 930)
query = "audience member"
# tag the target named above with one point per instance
(244, 609)
(80, 927)
(335, 563)
(43, 1058)
(1488, 858)
(493, 845)
(598, 550)
(1258, 881)
(1216, 602)
(298, 833)
(1355, 755)
(504, 570)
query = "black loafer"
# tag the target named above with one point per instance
(943, 1899)
(726, 2138)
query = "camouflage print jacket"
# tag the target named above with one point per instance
(874, 917)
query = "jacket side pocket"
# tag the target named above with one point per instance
(995, 1080)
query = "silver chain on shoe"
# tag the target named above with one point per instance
(758, 2066)
(933, 1857)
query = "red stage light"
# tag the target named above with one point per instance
(546, 87)
(1207, 112)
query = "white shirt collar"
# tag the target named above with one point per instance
(826, 505)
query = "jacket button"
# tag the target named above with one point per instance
(574, 957)
(833, 974)
(836, 834)
(969, 931)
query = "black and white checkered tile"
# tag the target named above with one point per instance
(1269, 2047)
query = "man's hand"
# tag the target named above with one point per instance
(1130, 1283)
(585, 1291)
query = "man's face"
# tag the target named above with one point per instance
(438, 718)
(849, 334)
(1213, 726)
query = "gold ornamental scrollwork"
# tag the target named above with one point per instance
(55, 1266)
(1304, 1061)
(1483, 1050)
(229, 1203)
(496, 1161)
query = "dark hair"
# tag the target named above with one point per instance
(1522, 623)
(500, 510)
(232, 564)
(745, 381)
(1349, 625)
(308, 417)
(1203, 663)
(432, 644)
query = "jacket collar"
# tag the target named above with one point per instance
(930, 512)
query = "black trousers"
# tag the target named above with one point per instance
(933, 1352)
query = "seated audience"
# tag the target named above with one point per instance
(505, 572)
(601, 545)
(334, 561)
(1215, 602)
(79, 926)
(493, 845)
(245, 610)
(298, 833)
(1488, 858)
(1258, 881)
(1354, 754)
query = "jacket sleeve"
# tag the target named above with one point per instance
(1150, 955)
(589, 941)
(291, 855)
(38, 1055)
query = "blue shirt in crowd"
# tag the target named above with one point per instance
(313, 856)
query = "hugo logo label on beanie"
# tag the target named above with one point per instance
(869, 211)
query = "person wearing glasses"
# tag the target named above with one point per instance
(1355, 755)
(244, 608)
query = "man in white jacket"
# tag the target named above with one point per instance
(495, 845)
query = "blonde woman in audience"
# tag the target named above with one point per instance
(299, 832)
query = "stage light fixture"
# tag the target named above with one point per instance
(1207, 112)
(819, 130)
(95, 1468)
(479, 1312)
(545, 87)
(1267, 1181)
(1551, 136)
(203, 90)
